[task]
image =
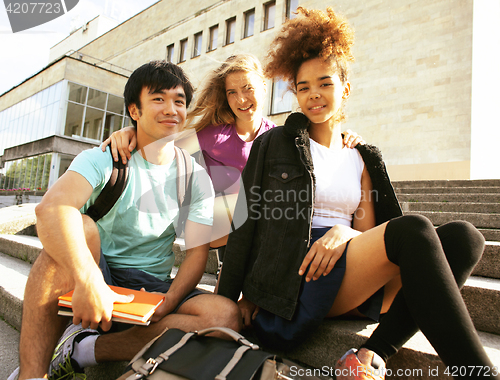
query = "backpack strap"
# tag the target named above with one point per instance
(184, 179)
(111, 191)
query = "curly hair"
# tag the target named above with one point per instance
(211, 104)
(312, 34)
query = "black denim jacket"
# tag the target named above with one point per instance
(263, 256)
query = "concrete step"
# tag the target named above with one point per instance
(490, 234)
(478, 291)
(447, 183)
(489, 265)
(479, 220)
(449, 190)
(416, 360)
(9, 356)
(325, 346)
(449, 197)
(18, 219)
(482, 297)
(27, 248)
(466, 207)
(13, 276)
(334, 337)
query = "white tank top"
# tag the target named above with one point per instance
(338, 184)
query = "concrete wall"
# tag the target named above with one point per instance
(136, 31)
(67, 68)
(411, 83)
(52, 144)
(37, 83)
(95, 77)
(82, 36)
(485, 155)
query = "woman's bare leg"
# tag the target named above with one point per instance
(429, 294)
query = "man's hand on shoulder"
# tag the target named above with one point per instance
(93, 302)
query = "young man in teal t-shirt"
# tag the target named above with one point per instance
(130, 246)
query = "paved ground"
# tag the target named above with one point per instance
(9, 341)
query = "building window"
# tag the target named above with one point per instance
(214, 33)
(269, 13)
(249, 23)
(183, 55)
(92, 125)
(230, 30)
(198, 38)
(281, 99)
(97, 99)
(28, 173)
(77, 93)
(291, 6)
(170, 53)
(97, 118)
(36, 117)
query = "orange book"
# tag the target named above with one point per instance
(139, 311)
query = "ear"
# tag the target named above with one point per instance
(347, 90)
(134, 112)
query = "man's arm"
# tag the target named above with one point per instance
(61, 232)
(197, 238)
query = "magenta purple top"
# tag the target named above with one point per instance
(226, 154)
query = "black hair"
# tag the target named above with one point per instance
(157, 76)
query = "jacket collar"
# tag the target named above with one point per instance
(296, 127)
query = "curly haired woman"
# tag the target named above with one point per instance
(325, 236)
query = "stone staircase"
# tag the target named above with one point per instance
(441, 201)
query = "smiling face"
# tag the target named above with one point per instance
(245, 92)
(161, 114)
(320, 92)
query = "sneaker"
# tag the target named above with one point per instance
(62, 365)
(14, 375)
(350, 368)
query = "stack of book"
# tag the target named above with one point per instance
(139, 311)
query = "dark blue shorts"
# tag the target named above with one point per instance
(315, 301)
(137, 279)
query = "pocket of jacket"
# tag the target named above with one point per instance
(285, 172)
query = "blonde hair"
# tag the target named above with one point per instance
(211, 102)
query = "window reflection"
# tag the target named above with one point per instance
(85, 113)
(29, 173)
(115, 104)
(96, 99)
(93, 123)
(77, 93)
(74, 117)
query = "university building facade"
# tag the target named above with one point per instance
(417, 83)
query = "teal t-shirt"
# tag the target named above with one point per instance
(139, 231)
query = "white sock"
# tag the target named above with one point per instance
(84, 352)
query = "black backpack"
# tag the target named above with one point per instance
(114, 188)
